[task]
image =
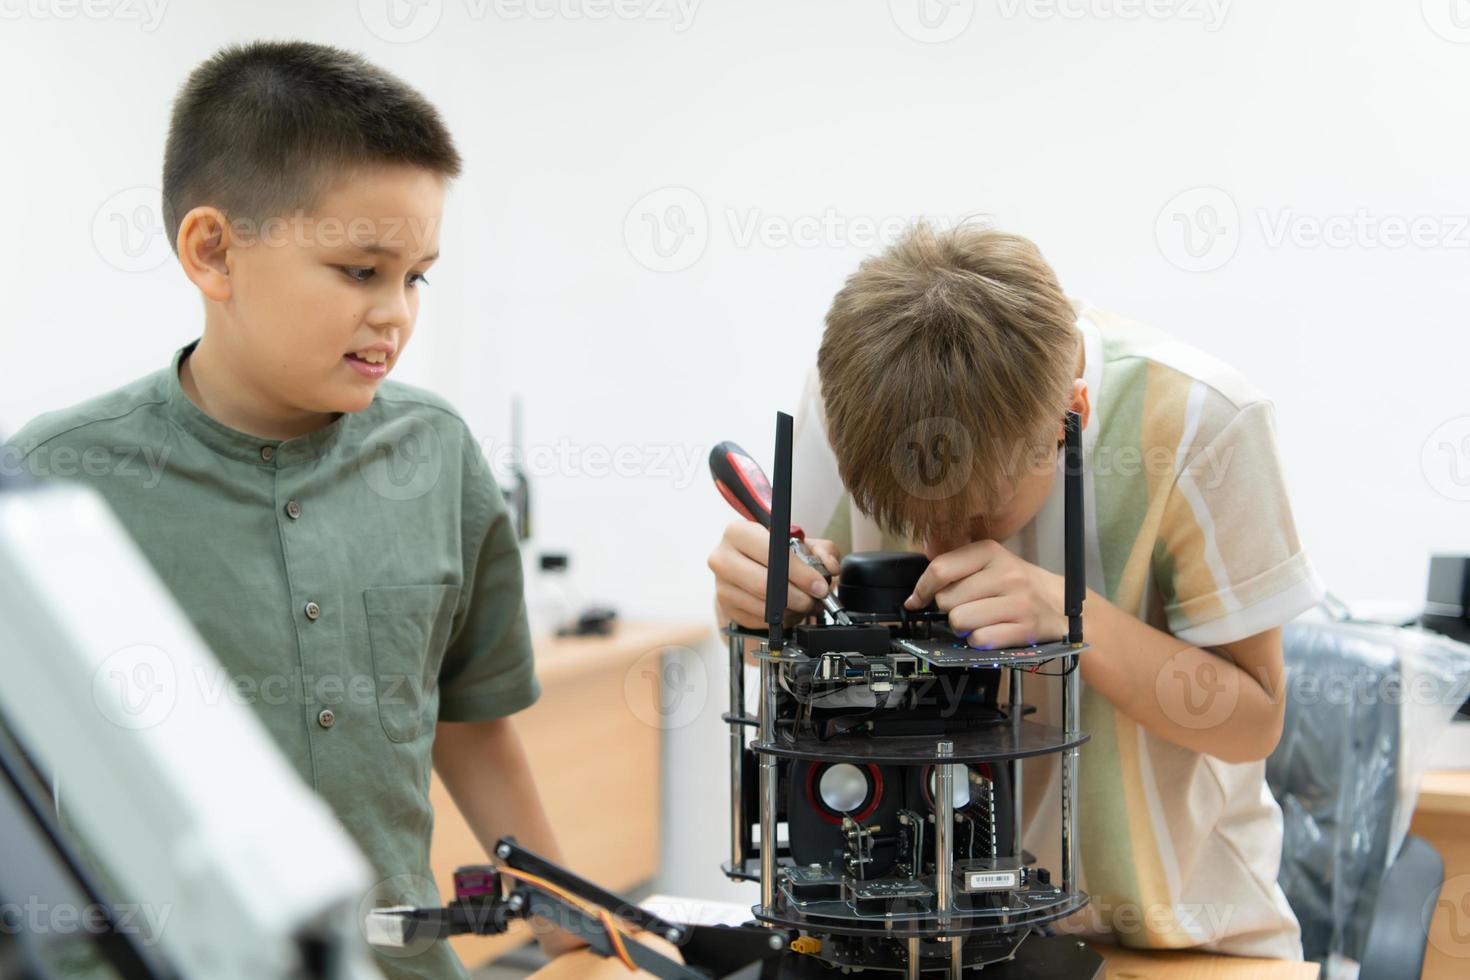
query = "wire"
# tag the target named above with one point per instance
(614, 935)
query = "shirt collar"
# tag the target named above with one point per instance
(234, 444)
(1092, 371)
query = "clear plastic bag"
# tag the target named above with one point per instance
(1365, 703)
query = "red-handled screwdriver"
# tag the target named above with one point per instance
(743, 484)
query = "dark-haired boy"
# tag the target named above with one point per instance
(336, 538)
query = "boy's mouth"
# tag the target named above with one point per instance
(371, 364)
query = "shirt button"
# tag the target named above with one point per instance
(326, 718)
(267, 453)
(313, 611)
(293, 509)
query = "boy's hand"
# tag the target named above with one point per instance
(739, 564)
(994, 599)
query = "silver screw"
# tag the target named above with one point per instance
(672, 935)
(776, 942)
(503, 851)
(516, 903)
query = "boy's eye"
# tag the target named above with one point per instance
(417, 278)
(358, 273)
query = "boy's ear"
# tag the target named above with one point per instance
(1081, 404)
(204, 243)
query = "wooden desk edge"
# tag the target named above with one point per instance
(1444, 791)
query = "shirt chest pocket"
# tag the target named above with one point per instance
(408, 628)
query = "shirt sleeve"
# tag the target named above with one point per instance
(1228, 561)
(819, 502)
(488, 670)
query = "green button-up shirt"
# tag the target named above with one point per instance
(358, 584)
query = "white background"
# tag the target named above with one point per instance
(1077, 123)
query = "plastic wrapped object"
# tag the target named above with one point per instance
(1365, 702)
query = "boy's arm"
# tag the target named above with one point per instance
(485, 769)
(1226, 704)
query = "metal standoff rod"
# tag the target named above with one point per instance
(944, 776)
(1071, 696)
(944, 832)
(768, 774)
(737, 750)
(1017, 710)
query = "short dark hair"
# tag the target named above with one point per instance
(260, 129)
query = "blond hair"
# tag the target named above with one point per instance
(945, 360)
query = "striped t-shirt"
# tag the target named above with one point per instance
(1189, 528)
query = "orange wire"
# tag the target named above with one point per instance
(614, 935)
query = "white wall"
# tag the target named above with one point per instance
(1066, 121)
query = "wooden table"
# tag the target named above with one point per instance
(1118, 963)
(594, 743)
(1442, 817)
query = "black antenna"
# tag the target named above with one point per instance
(1074, 530)
(780, 553)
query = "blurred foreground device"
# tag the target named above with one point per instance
(206, 856)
